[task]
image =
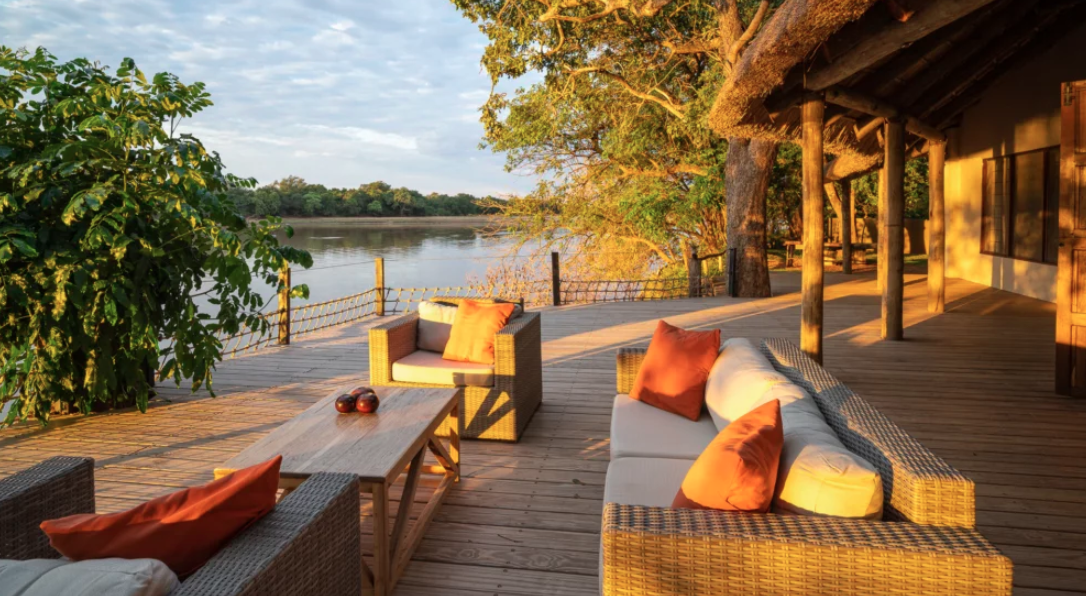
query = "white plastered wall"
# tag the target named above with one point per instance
(1020, 112)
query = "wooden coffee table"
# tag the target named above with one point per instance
(377, 448)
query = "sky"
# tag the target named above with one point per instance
(339, 92)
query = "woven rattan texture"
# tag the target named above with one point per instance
(501, 412)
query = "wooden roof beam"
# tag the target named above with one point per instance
(988, 58)
(1039, 43)
(993, 32)
(927, 53)
(879, 43)
(840, 169)
(874, 107)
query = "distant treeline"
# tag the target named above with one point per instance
(294, 196)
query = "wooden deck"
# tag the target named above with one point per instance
(975, 385)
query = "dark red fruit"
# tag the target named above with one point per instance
(367, 403)
(345, 404)
(357, 391)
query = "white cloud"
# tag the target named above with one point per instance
(333, 37)
(340, 92)
(370, 136)
(275, 46)
(343, 25)
(199, 52)
(324, 80)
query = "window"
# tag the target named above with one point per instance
(1020, 206)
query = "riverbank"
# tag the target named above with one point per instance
(468, 221)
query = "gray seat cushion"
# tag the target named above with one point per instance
(431, 369)
(641, 430)
(116, 577)
(647, 481)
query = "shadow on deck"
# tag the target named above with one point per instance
(974, 385)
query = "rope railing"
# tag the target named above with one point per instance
(311, 318)
(291, 322)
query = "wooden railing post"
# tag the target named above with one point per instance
(556, 281)
(284, 305)
(693, 275)
(379, 283)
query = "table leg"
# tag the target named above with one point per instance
(382, 556)
(454, 440)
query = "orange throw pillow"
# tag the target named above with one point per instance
(472, 336)
(183, 529)
(675, 369)
(738, 470)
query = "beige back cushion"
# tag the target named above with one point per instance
(737, 381)
(435, 323)
(818, 474)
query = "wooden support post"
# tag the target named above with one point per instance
(880, 233)
(284, 305)
(936, 229)
(556, 281)
(847, 221)
(379, 282)
(693, 275)
(813, 228)
(894, 284)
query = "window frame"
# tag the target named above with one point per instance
(1009, 210)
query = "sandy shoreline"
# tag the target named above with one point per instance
(474, 221)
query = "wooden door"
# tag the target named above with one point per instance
(1071, 280)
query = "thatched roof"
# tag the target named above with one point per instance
(926, 65)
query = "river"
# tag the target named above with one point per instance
(424, 253)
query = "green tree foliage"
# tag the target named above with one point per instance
(616, 128)
(916, 191)
(293, 196)
(110, 222)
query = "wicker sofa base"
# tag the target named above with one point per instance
(650, 550)
(927, 543)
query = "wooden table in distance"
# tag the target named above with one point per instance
(377, 448)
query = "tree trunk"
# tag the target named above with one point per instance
(749, 164)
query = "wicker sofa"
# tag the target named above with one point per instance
(309, 544)
(500, 411)
(926, 544)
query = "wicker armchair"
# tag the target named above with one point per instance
(309, 544)
(501, 412)
(927, 543)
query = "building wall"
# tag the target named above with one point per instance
(1020, 112)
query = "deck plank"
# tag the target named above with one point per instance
(974, 384)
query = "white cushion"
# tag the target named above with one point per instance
(435, 324)
(421, 366)
(641, 430)
(818, 475)
(651, 482)
(737, 381)
(60, 577)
